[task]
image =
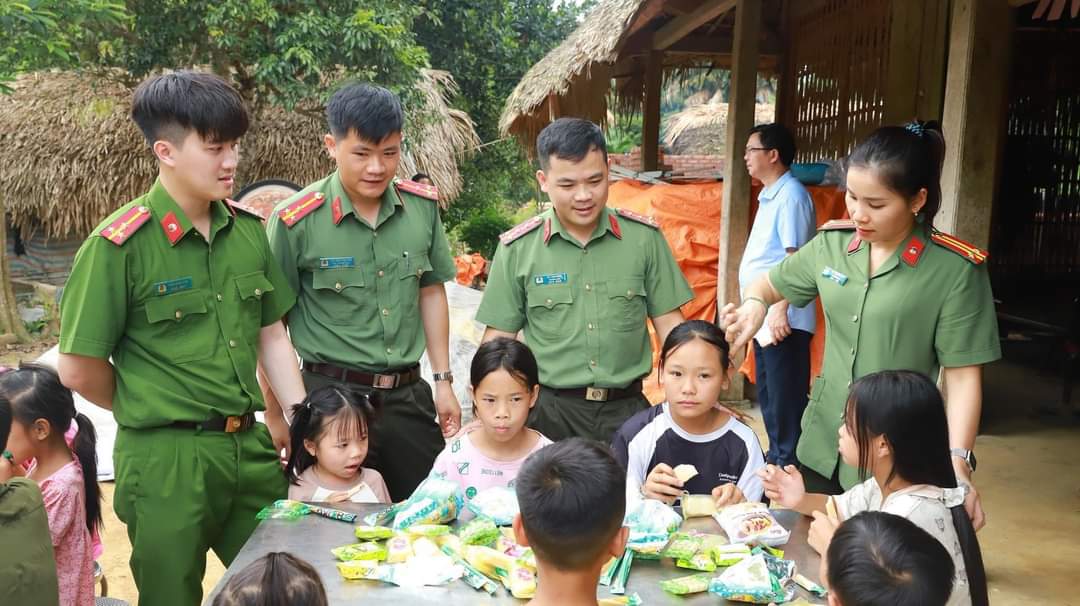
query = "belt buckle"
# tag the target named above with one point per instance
(596, 394)
(233, 424)
(385, 381)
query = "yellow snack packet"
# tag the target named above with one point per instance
(398, 549)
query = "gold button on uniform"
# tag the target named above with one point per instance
(854, 318)
(179, 314)
(220, 298)
(258, 292)
(389, 351)
(548, 302)
(337, 286)
(629, 293)
(590, 325)
(386, 312)
(232, 343)
(592, 362)
(588, 287)
(381, 273)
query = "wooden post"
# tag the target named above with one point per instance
(650, 111)
(735, 210)
(11, 326)
(902, 75)
(974, 117)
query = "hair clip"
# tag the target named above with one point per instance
(915, 127)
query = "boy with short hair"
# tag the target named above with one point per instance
(572, 499)
(171, 303)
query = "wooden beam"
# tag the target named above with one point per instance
(650, 111)
(902, 72)
(735, 206)
(679, 27)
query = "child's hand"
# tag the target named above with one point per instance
(662, 485)
(784, 487)
(727, 494)
(821, 532)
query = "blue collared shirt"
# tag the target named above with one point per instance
(785, 219)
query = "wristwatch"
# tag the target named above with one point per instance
(443, 376)
(967, 455)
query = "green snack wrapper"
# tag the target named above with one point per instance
(618, 584)
(701, 561)
(373, 533)
(333, 514)
(809, 585)
(428, 530)
(695, 583)
(479, 531)
(367, 550)
(727, 555)
(609, 570)
(283, 509)
(682, 546)
(622, 600)
(472, 577)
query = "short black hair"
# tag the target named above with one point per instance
(569, 139)
(572, 497)
(353, 407)
(507, 354)
(419, 176)
(697, 329)
(372, 112)
(170, 105)
(277, 579)
(777, 136)
(880, 559)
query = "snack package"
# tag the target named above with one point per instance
(809, 585)
(608, 571)
(695, 583)
(748, 581)
(621, 600)
(651, 523)
(425, 547)
(751, 523)
(368, 550)
(356, 570)
(479, 531)
(373, 533)
(709, 540)
(782, 570)
(490, 562)
(701, 561)
(435, 501)
(622, 573)
(398, 549)
(288, 509)
(682, 546)
(522, 581)
(428, 530)
(727, 555)
(472, 577)
(498, 503)
(697, 505)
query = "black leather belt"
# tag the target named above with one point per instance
(225, 424)
(600, 394)
(390, 379)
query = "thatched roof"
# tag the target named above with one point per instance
(69, 153)
(702, 128)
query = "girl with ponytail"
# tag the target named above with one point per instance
(42, 411)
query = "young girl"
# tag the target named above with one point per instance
(329, 435)
(504, 384)
(42, 410)
(277, 579)
(894, 431)
(690, 427)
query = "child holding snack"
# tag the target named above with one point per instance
(572, 500)
(690, 434)
(277, 579)
(504, 384)
(895, 432)
(42, 410)
(329, 435)
(880, 559)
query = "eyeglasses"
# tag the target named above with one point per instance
(754, 149)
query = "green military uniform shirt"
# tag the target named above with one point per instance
(358, 284)
(583, 308)
(180, 316)
(926, 307)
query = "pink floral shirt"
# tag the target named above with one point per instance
(65, 505)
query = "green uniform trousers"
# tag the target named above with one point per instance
(183, 491)
(405, 438)
(559, 417)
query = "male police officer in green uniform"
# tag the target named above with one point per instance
(181, 291)
(581, 280)
(368, 259)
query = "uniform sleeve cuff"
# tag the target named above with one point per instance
(503, 324)
(969, 358)
(86, 347)
(785, 291)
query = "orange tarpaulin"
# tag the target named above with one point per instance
(689, 217)
(469, 267)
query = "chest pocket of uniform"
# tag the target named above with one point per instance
(549, 308)
(180, 323)
(340, 293)
(253, 286)
(414, 266)
(626, 304)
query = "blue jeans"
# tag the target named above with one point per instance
(783, 378)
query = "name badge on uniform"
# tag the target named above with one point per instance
(546, 279)
(168, 287)
(834, 275)
(334, 262)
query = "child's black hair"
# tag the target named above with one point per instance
(569, 139)
(510, 355)
(572, 497)
(372, 112)
(906, 159)
(351, 408)
(880, 559)
(34, 391)
(168, 106)
(696, 329)
(906, 408)
(777, 136)
(277, 579)
(418, 176)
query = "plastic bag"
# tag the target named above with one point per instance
(748, 581)
(435, 501)
(751, 523)
(498, 503)
(651, 523)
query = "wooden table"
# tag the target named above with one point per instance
(312, 537)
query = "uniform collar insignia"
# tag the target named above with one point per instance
(913, 250)
(855, 244)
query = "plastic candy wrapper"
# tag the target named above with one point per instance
(651, 523)
(608, 571)
(697, 505)
(357, 570)
(751, 523)
(435, 501)
(622, 600)
(373, 533)
(367, 550)
(472, 577)
(780, 569)
(728, 555)
(749, 581)
(682, 546)
(479, 531)
(488, 561)
(622, 573)
(398, 549)
(701, 561)
(809, 585)
(498, 503)
(522, 581)
(695, 583)
(428, 530)
(287, 509)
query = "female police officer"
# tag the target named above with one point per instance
(897, 294)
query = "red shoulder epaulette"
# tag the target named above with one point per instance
(301, 208)
(244, 208)
(520, 230)
(419, 189)
(836, 224)
(126, 224)
(965, 249)
(633, 216)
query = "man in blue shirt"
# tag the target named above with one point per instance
(784, 222)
